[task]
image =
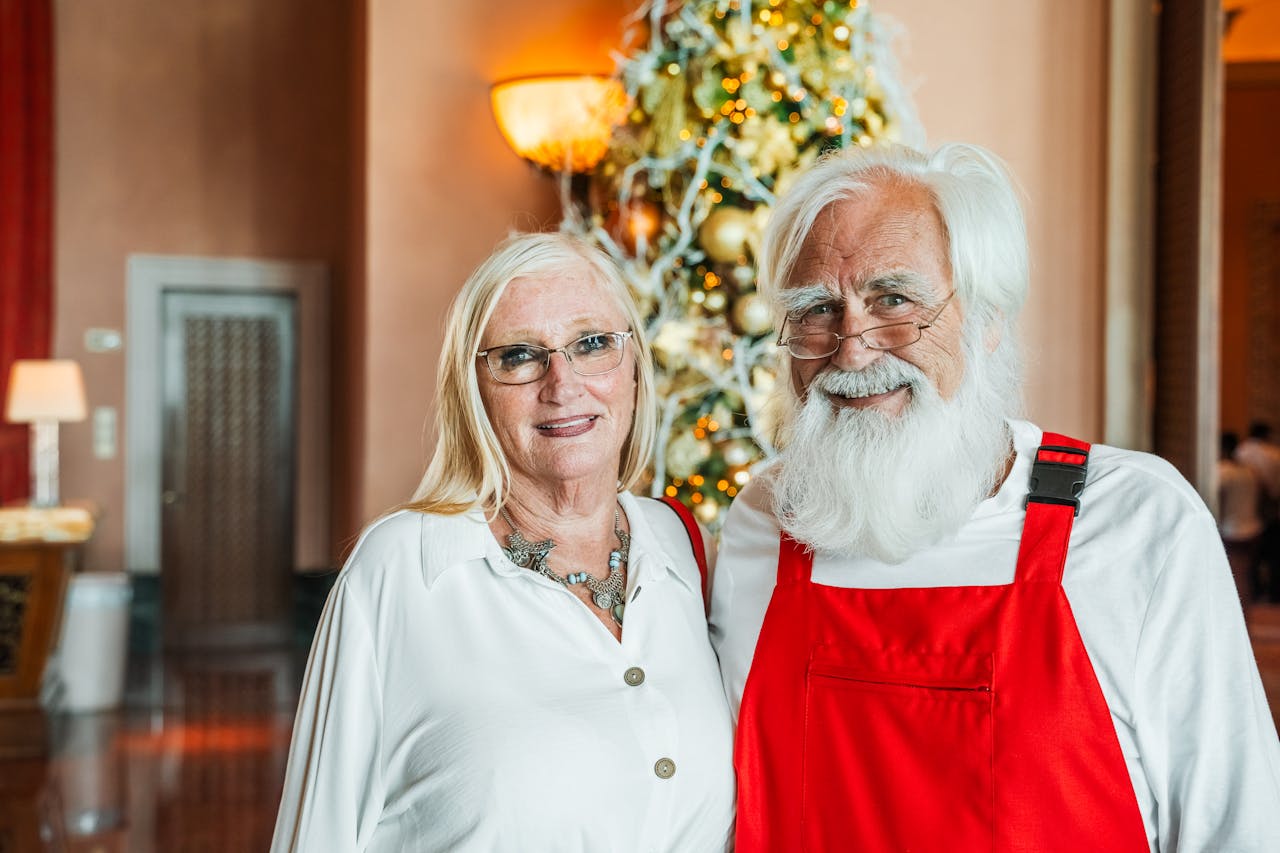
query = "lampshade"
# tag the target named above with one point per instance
(45, 390)
(560, 122)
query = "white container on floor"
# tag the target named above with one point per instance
(93, 645)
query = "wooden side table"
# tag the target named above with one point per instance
(38, 548)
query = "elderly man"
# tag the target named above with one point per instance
(943, 629)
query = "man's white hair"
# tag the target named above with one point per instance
(974, 194)
(860, 483)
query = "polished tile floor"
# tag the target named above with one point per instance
(196, 762)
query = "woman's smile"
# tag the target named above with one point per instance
(568, 427)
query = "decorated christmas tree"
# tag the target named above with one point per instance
(730, 99)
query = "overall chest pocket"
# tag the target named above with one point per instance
(897, 751)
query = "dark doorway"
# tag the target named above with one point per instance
(229, 386)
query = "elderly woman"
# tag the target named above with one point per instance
(518, 658)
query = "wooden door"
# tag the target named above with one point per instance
(229, 401)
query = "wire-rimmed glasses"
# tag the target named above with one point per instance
(886, 337)
(589, 355)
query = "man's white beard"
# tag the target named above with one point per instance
(858, 483)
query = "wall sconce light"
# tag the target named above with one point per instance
(42, 393)
(560, 122)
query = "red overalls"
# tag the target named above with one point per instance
(947, 719)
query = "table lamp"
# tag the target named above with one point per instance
(43, 392)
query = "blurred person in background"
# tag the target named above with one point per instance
(1238, 518)
(1261, 455)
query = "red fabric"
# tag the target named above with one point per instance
(1057, 447)
(26, 220)
(695, 542)
(959, 718)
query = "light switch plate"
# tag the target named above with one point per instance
(104, 432)
(103, 340)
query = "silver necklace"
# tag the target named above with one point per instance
(607, 594)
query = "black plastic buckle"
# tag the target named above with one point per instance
(1058, 482)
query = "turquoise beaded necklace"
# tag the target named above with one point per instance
(608, 593)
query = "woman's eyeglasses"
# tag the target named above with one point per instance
(589, 355)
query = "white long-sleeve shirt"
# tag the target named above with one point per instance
(454, 701)
(1157, 610)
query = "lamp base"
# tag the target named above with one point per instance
(44, 464)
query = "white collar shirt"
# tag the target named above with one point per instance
(454, 701)
(1156, 607)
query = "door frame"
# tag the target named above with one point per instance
(149, 276)
(1130, 400)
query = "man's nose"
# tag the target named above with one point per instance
(853, 354)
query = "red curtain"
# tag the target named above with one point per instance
(26, 202)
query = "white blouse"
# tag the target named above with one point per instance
(454, 701)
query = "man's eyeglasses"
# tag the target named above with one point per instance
(589, 355)
(889, 336)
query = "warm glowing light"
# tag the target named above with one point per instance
(562, 123)
(228, 736)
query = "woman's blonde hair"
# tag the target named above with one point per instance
(468, 469)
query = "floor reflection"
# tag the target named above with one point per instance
(199, 770)
(196, 761)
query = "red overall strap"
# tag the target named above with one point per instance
(695, 542)
(795, 561)
(1057, 478)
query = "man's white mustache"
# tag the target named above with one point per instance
(882, 375)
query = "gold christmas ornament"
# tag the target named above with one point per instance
(685, 453)
(707, 512)
(634, 223)
(752, 314)
(725, 232)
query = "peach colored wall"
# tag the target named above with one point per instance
(1027, 78)
(197, 128)
(194, 128)
(443, 188)
(1024, 77)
